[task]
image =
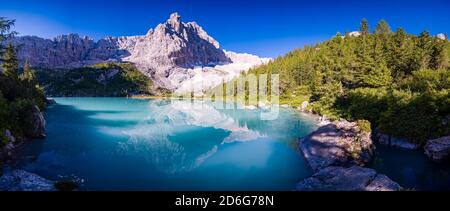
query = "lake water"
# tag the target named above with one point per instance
(131, 144)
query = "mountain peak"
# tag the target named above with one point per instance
(168, 54)
(175, 17)
(174, 20)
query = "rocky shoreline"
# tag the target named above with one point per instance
(336, 152)
(20, 180)
(36, 130)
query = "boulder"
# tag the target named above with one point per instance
(36, 124)
(50, 101)
(383, 183)
(19, 180)
(403, 143)
(347, 179)
(340, 143)
(400, 143)
(384, 139)
(438, 150)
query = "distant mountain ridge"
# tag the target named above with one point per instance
(171, 54)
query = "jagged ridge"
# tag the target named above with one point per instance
(168, 54)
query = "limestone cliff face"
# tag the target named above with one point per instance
(170, 49)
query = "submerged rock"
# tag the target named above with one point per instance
(19, 180)
(347, 179)
(340, 143)
(438, 150)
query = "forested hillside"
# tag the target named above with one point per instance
(19, 92)
(398, 81)
(101, 80)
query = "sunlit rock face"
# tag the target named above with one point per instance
(173, 54)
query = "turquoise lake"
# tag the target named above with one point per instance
(133, 144)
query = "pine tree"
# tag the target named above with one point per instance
(9, 61)
(383, 28)
(364, 28)
(5, 32)
(28, 74)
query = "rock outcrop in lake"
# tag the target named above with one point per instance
(173, 55)
(438, 150)
(399, 143)
(335, 152)
(20, 180)
(340, 143)
(348, 179)
(36, 123)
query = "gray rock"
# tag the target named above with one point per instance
(50, 101)
(339, 143)
(19, 180)
(37, 124)
(438, 150)
(383, 183)
(347, 179)
(403, 143)
(384, 139)
(400, 143)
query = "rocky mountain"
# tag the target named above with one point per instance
(175, 55)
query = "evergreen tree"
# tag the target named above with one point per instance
(5, 32)
(383, 28)
(394, 80)
(9, 62)
(28, 74)
(364, 28)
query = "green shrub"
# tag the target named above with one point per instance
(416, 116)
(364, 125)
(427, 80)
(364, 103)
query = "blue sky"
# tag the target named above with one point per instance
(262, 27)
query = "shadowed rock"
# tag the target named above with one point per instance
(438, 150)
(340, 143)
(347, 179)
(19, 180)
(36, 121)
